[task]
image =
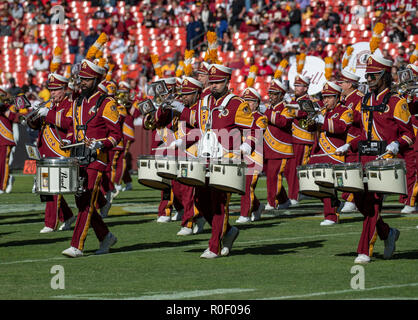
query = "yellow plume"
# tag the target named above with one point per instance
(329, 65)
(102, 62)
(56, 59)
(348, 54)
(96, 46)
(300, 62)
(109, 72)
(377, 36)
(252, 75)
(157, 66)
(280, 69)
(188, 56)
(180, 69)
(414, 55)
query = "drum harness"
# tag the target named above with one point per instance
(371, 147)
(85, 155)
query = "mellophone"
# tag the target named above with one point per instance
(386, 176)
(157, 172)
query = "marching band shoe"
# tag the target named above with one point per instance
(327, 222)
(349, 207)
(268, 207)
(1, 192)
(104, 211)
(243, 219)
(163, 219)
(390, 243)
(184, 231)
(293, 202)
(72, 252)
(256, 215)
(284, 205)
(199, 225)
(46, 230)
(178, 216)
(362, 259)
(207, 254)
(10, 184)
(107, 242)
(228, 241)
(127, 187)
(67, 224)
(409, 209)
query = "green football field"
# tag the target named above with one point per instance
(283, 256)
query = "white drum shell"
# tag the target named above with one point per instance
(348, 178)
(227, 177)
(308, 187)
(323, 175)
(386, 179)
(167, 168)
(147, 174)
(191, 172)
(57, 176)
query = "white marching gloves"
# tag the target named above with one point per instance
(319, 118)
(262, 107)
(245, 149)
(343, 149)
(176, 143)
(178, 106)
(42, 112)
(138, 122)
(95, 145)
(393, 147)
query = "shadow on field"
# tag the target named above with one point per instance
(273, 249)
(23, 221)
(158, 245)
(110, 223)
(19, 243)
(18, 215)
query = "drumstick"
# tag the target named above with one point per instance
(382, 155)
(79, 144)
(323, 154)
(162, 148)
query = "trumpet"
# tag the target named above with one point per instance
(305, 123)
(29, 119)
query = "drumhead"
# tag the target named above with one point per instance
(322, 165)
(348, 166)
(386, 164)
(57, 162)
(305, 167)
(146, 157)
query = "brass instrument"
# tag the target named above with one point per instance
(123, 98)
(312, 113)
(30, 118)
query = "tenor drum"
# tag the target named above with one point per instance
(167, 167)
(323, 174)
(191, 172)
(348, 177)
(307, 185)
(386, 176)
(57, 176)
(147, 173)
(228, 177)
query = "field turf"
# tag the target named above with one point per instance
(283, 256)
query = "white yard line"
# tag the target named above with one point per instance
(325, 293)
(163, 296)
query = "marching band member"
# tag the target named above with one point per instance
(161, 136)
(302, 141)
(332, 126)
(93, 119)
(389, 128)
(410, 154)
(222, 113)
(189, 95)
(7, 142)
(203, 76)
(351, 98)
(278, 145)
(49, 145)
(251, 208)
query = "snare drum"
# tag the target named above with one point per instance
(348, 177)
(323, 174)
(386, 176)
(167, 167)
(191, 172)
(147, 173)
(228, 177)
(307, 185)
(57, 176)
